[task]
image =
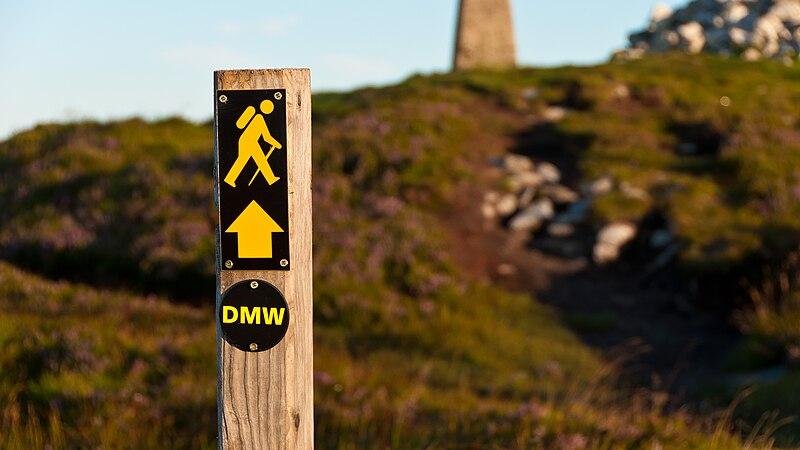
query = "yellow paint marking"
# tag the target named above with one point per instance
(254, 228)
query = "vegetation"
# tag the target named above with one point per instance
(414, 348)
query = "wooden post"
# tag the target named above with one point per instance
(265, 397)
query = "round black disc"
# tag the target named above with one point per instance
(253, 316)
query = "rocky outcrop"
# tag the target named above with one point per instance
(557, 217)
(751, 28)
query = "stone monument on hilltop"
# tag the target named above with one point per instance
(485, 37)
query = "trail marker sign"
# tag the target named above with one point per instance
(253, 192)
(262, 149)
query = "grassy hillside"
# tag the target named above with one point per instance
(414, 348)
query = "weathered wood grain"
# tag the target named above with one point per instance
(265, 400)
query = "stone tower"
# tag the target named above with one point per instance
(485, 37)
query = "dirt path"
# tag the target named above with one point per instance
(650, 328)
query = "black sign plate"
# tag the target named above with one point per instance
(253, 316)
(252, 179)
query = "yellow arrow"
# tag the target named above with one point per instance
(254, 228)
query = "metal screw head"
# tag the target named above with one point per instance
(278, 96)
(229, 264)
(253, 347)
(254, 284)
(223, 98)
(725, 101)
(284, 263)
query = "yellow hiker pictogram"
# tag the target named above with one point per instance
(255, 128)
(254, 229)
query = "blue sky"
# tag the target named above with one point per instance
(69, 60)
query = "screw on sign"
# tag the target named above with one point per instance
(262, 131)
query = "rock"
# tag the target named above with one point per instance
(530, 93)
(559, 194)
(554, 113)
(561, 230)
(598, 187)
(610, 241)
(618, 233)
(526, 179)
(739, 37)
(532, 217)
(735, 12)
(506, 205)
(548, 172)
(605, 254)
(768, 27)
(488, 211)
(577, 213)
(786, 11)
(527, 196)
(692, 36)
(517, 163)
(751, 54)
(622, 91)
(660, 13)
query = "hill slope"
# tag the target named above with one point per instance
(414, 346)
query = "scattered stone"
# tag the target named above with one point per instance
(530, 93)
(622, 91)
(751, 54)
(527, 196)
(488, 211)
(548, 172)
(554, 113)
(560, 194)
(735, 12)
(527, 179)
(605, 253)
(739, 37)
(532, 217)
(693, 37)
(610, 241)
(660, 13)
(517, 163)
(506, 205)
(599, 187)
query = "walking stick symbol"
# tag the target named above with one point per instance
(258, 171)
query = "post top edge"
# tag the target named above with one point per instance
(280, 69)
